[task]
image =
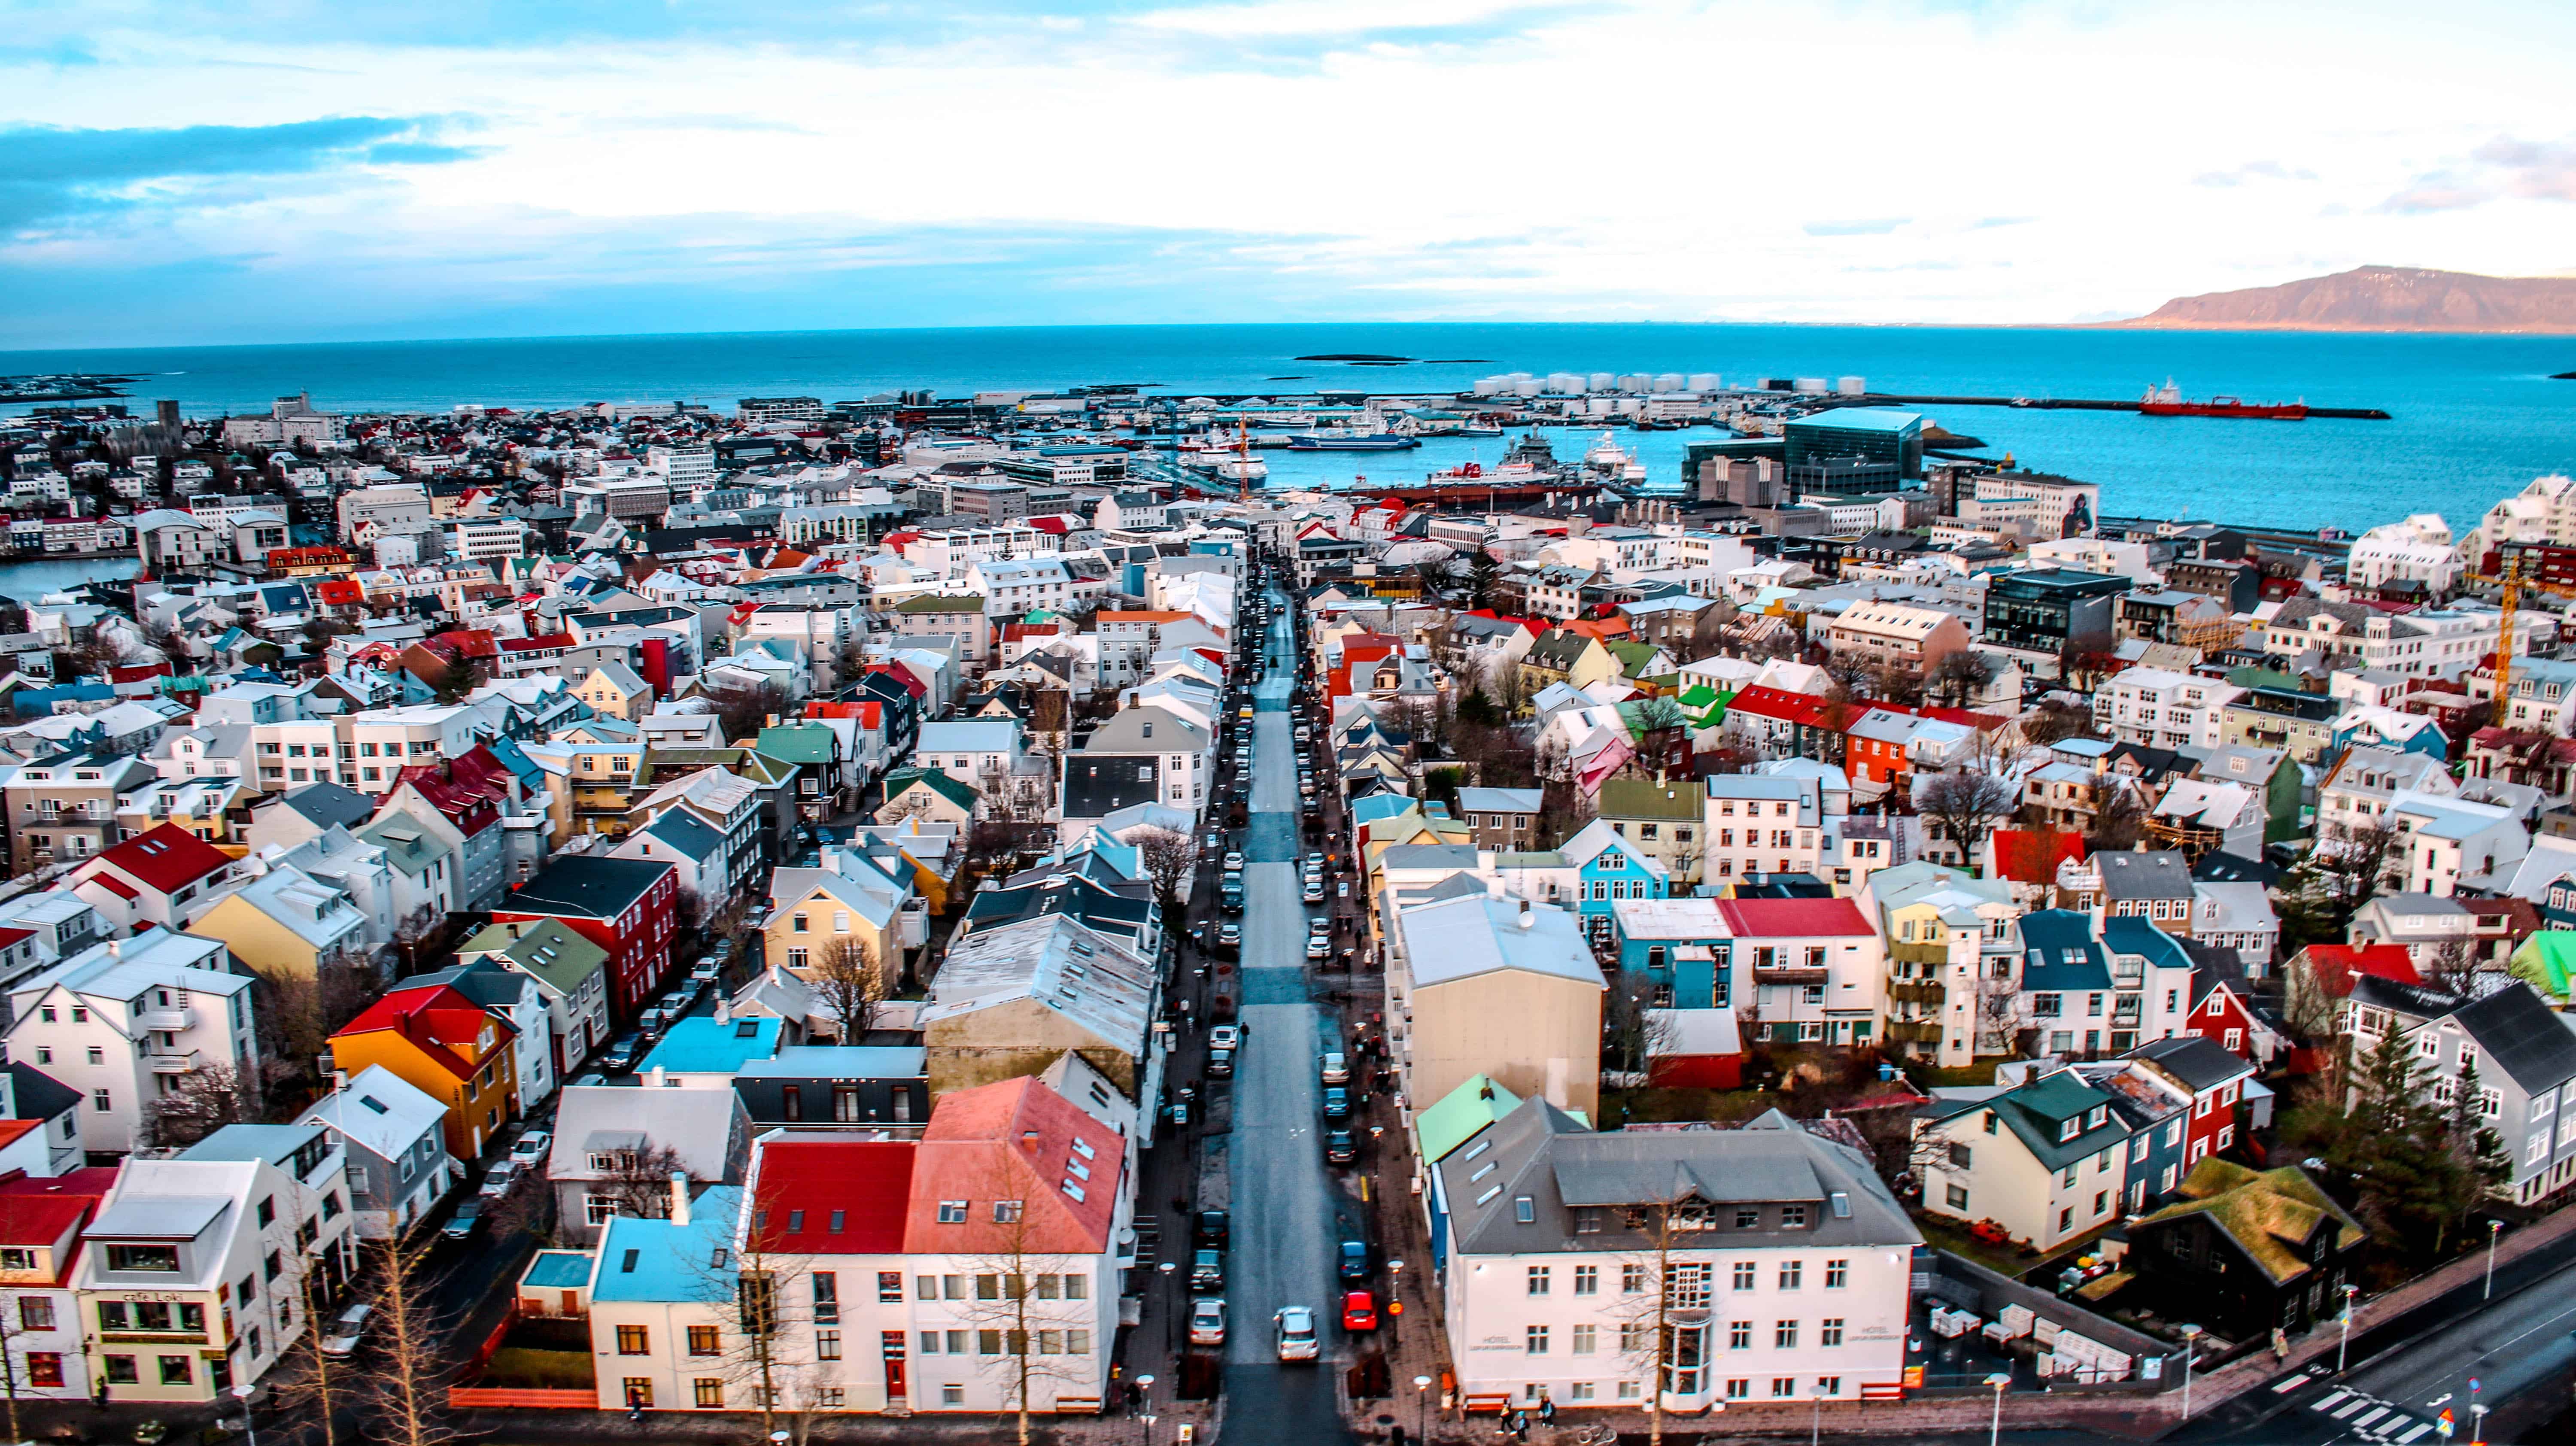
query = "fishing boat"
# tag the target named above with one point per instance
(2168, 401)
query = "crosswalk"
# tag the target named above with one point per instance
(2373, 1419)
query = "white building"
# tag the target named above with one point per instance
(2158, 708)
(2419, 549)
(124, 1021)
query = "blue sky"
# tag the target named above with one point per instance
(286, 170)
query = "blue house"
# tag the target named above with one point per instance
(1678, 952)
(2387, 728)
(1607, 869)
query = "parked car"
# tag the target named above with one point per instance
(705, 971)
(1229, 935)
(497, 1182)
(1220, 1064)
(347, 1330)
(461, 1224)
(1296, 1328)
(1340, 1147)
(1355, 1260)
(1337, 1103)
(1207, 1321)
(1313, 893)
(1207, 1269)
(621, 1055)
(1335, 1067)
(530, 1147)
(1319, 946)
(1359, 1311)
(1209, 1227)
(1234, 862)
(1226, 1036)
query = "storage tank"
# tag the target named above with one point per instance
(1852, 386)
(1525, 387)
(1706, 382)
(1491, 386)
(1636, 382)
(1813, 386)
(1564, 384)
(1667, 382)
(1602, 382)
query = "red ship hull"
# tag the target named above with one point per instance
(2228, 407)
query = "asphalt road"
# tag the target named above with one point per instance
(1288, 1212)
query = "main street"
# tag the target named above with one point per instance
(1287, 1209)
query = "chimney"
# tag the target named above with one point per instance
(679, 1197)
(339, 1079)
(1528, 919)
(773, 720)
(115, 948)
(657, 1077)
(724, 1011)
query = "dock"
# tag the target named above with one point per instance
(2080, 404)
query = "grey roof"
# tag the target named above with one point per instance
(1463, 938)
(275, 1144)
(1541, 1153)
(2144, 874)
(1498, 800)
(2524, 1036)
(703, 1126)
(841, 1061)
(2198, 1063)
(157, 1217)
(328, 803)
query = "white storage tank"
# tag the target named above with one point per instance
(1707, 382)
(1525, 387)
(1491, 386)
(1667, 382)
(1852, 386)
(1602, 382)
(1812, 386)
(1636, 382)
(1564, 384)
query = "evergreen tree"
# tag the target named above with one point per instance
(2475, 1152)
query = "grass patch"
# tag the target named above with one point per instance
(1963, 1077)
(1621, 1106)
(527, 1368)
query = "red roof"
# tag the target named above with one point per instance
(834, 1197)
(2031, 855)
(1532, 626)
(35, 1210)
(1050, 524)
(1787, 707)
(339, 592)
(1015, 1140)
(139, 672)
(472, 642)
(166, 860)
(437, 1018)
(902, 675)
(1778, 918)
(2334, 965)
(530, 645)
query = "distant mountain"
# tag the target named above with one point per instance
(2381, 298)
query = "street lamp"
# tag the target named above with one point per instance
(250, 1427)
(2494, 1229)
(1995, 1427)
(1422, 1401)
(2477, 1426)
(1170, 1315)
(2349, 1291)
(2190, 1333)
(1145, 1406)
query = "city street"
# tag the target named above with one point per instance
(1287, 1208)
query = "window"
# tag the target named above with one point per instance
(143, 1257)
(36, 1312)
(1790, 1273)
(702, 1339)
(1955, 1196)
(1632, 1279)
(1784, 1386)
(1829, 1385)
(1538, 1280)
(1837, 1274)
(952, 1212)
(707, 1391)
(632, 1341)
(121, 1372)
(1006, 1212)
(102, 1102)
(1534, 1340)
(45, 1368)
(952, 1395)
(1738, 1389)
(1742, 1276)
(889, 1290)
(1784, 1335)
(176, 1371)
(1739, 1335)
(1583, 1339)
(1793, 1217)
(1587, 1280)
(827, 1345)
(1829, 1331)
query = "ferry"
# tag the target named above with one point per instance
(2168, 401)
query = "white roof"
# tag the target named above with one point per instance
(1462, 938)
(379, 1110)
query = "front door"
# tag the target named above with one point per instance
(892, 1349)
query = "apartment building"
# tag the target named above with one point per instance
(124, 1021)
(62, 808)
(1761, 824)
(2157, 708)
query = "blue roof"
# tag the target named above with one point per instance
(655, 1260)
(704, 1045)
(2128, 934)
(558, 1270)
(1862, 419)
(2047, 938)
(1377, 806)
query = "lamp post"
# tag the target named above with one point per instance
(2190, 1334)
(2494, 1229)
(2349, 1291)
(1171, 1311)
(250, 1427)
(2477, 1425)
(1995, 1427)
(1145, 1406)
(1422, 1404)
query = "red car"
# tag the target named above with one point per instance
(1359, 1311)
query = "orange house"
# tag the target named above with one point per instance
(447, 1046)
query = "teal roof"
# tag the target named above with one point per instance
(937, 781)
(1377, 806)
(701, 1044)
(558, 1270)
(1862, 419)
(655, 1260)
(797, 743)
(1461, 1115)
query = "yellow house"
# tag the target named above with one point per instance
(446, 1046)
(286, 924)
(1573, 659)
(614, 689)
(857, 902)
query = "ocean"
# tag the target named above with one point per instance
(2475, 417)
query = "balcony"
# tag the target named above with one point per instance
(177, 1061)
(1914, 1031)
(165, 1021)
(1911, 952)
(1915, 991)
(1790, 974)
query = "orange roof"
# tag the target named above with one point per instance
(1014, 1140)
(1138, 617)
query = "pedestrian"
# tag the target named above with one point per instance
(1547, 1409)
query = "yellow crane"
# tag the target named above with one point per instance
(2510, 583)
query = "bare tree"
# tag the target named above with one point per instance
(639, 1181)
(1998, 1008)
(306, 1376)
(2451, 967)
(2119, 816)
(848, 984)
(760, 1350)
(1171, 860)
(1966, 805)
(1028, 1339)
(20, 1316)
(202, 1101)
(1956, 677)
(1664, 1320)
(2352, 868)
(299, 1013)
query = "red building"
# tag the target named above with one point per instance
(2215, 1080)
(628, 907)
(2222, 1013)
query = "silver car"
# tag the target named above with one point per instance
(1296, 1327)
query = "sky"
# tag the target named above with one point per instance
(287, 170)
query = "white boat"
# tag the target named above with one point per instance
(1607, 456)
(1242, 467)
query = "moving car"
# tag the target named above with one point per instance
(1207, 1321)
(1359, 1311)
(1296, 1327)
(1336, 1067)
(1355, 1260)
(1340, 1148)
(346, 1331)
(1226, 1036)
(1207, 1269)
(461, 1224)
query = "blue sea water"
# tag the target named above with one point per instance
(2475, 417)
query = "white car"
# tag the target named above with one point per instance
(347, 1331)
(1234, 860)
(529, 1148)
(1207, 1321)
(503, 1176)
(1296, 1325)
(1319, 946)
(1225, 1036)
(704, 972)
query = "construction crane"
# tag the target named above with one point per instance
(2510, 582)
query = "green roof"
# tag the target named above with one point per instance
(1460, 1114)
(963, 795)
(938, 603)
(798, 743)
(2270, 1214)
(1645, 798)
(546, 948)
(2545, 960)
(1630, 653)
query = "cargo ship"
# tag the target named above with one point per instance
(2168, 401)
(1350, 441)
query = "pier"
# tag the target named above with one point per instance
(2075, 404)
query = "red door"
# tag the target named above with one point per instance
(892, 1349)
